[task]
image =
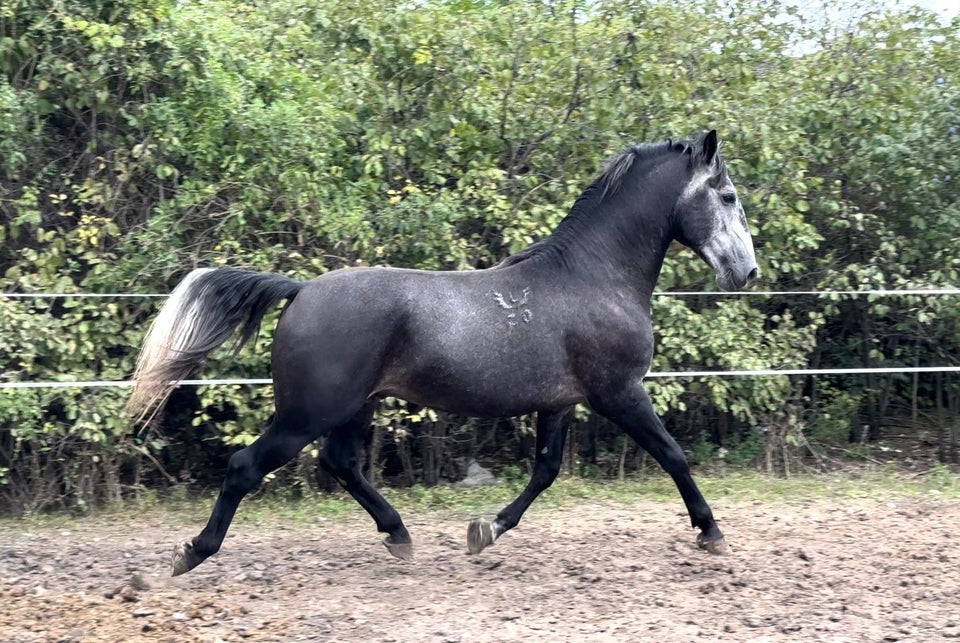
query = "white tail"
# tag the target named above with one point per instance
(203, 311)
(171, 335)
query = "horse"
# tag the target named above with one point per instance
(563, 322)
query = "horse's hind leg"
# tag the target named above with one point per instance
(339, 458)
(634, 413)
(282, 440)
(551, 434)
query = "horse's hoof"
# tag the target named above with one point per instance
(717, 546)
(403, 551)
(182, 559)
(479, 535)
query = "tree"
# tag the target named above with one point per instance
(142, 138)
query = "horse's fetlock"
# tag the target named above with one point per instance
(204, 548)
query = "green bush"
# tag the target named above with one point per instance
(142, 138)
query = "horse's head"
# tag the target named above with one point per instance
(709, 217)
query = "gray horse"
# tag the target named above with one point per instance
(565, 321)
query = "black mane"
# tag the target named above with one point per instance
(606, 184)
(616, 167)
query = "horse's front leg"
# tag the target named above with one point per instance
(633, 412)
(551, 434)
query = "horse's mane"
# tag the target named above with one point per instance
(609, 181)
(617, 166)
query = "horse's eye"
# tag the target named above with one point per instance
(729, 198)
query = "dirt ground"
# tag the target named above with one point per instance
(823, 570)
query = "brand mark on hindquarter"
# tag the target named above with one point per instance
(518, 312)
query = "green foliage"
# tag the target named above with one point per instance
(702, 451)
(142, 138)
(744, 450)
(835, 411)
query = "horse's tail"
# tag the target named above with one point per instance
(203, 311)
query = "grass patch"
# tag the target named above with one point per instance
(178, 508)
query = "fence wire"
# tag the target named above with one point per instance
(651, 375)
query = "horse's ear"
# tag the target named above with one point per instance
(710, 147)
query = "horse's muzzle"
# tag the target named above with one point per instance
(737, 277)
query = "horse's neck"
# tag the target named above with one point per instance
(616, 253)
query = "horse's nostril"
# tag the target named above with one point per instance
(753, 274)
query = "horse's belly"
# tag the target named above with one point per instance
(489, 392)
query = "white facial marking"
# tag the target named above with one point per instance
(697, 181)
(544, 450)
(743, 230)
(725, 243)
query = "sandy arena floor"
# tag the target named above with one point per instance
(823, 570)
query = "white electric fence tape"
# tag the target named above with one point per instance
(735, 373)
